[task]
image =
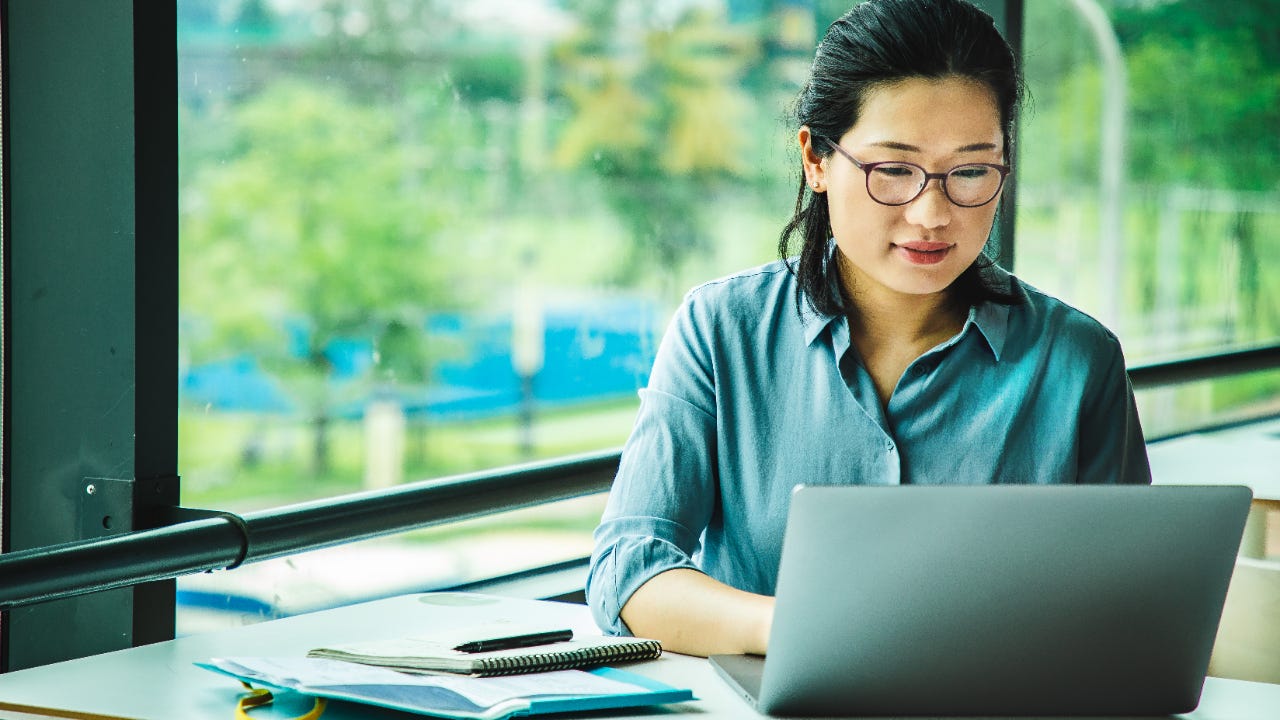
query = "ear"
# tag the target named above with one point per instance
(815, 167)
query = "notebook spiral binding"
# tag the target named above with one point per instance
(567, 659)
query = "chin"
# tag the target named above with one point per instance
(917, 283)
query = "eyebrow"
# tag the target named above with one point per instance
(893, 145)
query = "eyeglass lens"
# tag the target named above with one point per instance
(900, 183)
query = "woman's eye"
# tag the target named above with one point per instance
(895, 171)
(971, 172)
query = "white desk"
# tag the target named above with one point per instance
(158, 682)
(1246, 455)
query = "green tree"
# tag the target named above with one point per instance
(314, 216)
(1203, 108)
(1206, 94)
(660, 117)
(1203, 83)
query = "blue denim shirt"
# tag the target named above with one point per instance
(749, 396)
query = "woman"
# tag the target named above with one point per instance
(891, 352)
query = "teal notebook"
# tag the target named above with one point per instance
(452, 696)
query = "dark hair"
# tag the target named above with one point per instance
(877, 43)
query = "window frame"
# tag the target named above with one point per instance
(90, 230)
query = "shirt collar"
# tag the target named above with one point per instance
(991, 320)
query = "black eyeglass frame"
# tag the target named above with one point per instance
(866, 168)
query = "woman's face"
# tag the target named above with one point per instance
(921, 247)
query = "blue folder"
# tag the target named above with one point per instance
(445, 703)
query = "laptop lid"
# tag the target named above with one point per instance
(999, 600)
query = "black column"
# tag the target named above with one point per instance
(90, 271)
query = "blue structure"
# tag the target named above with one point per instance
(599, 351)
(238, 383)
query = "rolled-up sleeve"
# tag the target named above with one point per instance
(665, 490)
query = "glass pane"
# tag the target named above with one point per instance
(1149, 184)
(425, 238)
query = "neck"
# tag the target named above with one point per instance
(909, 319)
(885, 316)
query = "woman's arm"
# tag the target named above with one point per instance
(693, 614)
(1112, 447)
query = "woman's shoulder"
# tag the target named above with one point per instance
(750, 291)
(1044, 316)
(750, 280)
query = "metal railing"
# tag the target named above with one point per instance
(1205, 367)
(211, 543)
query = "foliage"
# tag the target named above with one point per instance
(1203, 82)
(661, 118)
(1184, 22)
(316, 218)
(1198, 103)
(314, 193)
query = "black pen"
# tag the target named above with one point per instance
(515, 641)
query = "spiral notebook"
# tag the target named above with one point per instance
(438, 652)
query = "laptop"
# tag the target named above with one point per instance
(998, 600)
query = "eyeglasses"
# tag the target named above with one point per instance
(898, 183)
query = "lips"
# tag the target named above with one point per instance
(924, 252)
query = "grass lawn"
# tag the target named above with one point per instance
(246, 462)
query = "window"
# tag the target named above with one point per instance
(425, 238)
(1148, 188)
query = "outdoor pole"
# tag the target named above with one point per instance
(528, 349)
(1114, 101)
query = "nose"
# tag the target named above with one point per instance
(930, 209)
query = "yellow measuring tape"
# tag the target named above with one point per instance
(258, 697)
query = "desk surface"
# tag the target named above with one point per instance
(1245, 455)
(158, 682)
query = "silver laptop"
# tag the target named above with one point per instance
(995, 600)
